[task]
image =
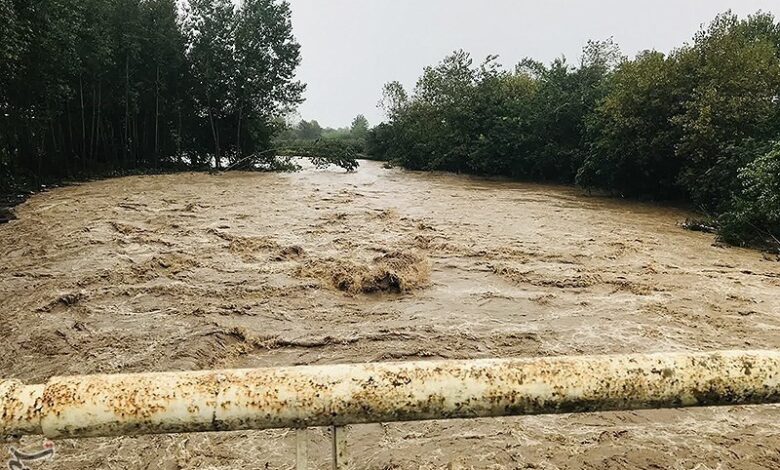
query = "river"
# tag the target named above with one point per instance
(199, 271)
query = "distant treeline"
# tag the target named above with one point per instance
(311, 130)
(310, 134)
(90, 87)
(700, 124)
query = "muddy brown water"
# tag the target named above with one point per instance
(198, 271)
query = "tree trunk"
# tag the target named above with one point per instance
(126, 145)
(54, 150)
(70, 129)
(238, 133)
(93, 125)
(157, 119)
(99, 115)
(214, 134)
(83, 126)
(179, 137)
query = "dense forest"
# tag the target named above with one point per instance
(701, 124)
(93, 87)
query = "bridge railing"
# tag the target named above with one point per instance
(338, 395)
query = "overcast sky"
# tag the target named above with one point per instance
(351, 48)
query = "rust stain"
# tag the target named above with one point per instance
(294, 397)
(20, 408)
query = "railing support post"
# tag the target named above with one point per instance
(301, 449)
(340, 455)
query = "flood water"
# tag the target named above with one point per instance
(198, 271)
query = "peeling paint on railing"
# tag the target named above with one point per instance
(297, 397)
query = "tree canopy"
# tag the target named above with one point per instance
(98, 86)
(699, 124)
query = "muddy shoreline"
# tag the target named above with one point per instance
(195, 271)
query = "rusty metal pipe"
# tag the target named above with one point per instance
(295, 397)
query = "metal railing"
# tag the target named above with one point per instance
(338, 395)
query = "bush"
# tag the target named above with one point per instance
(323, 152)
(755, 214)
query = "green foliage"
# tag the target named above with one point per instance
(308, 130)
(632, 141)
(694, 125)
(359, 128)
(733, 71)
(754, 217)
(341, 147)
(96, 87)
(324, 153)
(682, 126)
(529, 123)
(394, 99)
(244, 61)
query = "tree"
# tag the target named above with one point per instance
(529, 123)
(244, 60)
(95, 86)
(733, 68)
(359, 128)
(632, 140)
(210, 28)
(755, 213)
(267, 56)
(394, 98)
(11, 47)
(695, 125)
(309, 130)
(164, 48)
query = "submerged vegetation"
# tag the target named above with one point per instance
(97, 87)
(700, 124)
(309, 139)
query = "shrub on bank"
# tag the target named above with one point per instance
(755, 215)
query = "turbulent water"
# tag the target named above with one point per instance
(198, 271)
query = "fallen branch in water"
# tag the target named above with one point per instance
(321, 153)
(697, 225)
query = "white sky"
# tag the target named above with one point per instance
(351, 48)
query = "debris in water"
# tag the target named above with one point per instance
(6, 215)
(290, 252)
(697, 225)
(395, 272)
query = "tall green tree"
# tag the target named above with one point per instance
(359, 127)
(267, 56)
(394, 98)
(309, 130)
(734, 69)
(211, 33)
(632, 140)
(244, 60)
